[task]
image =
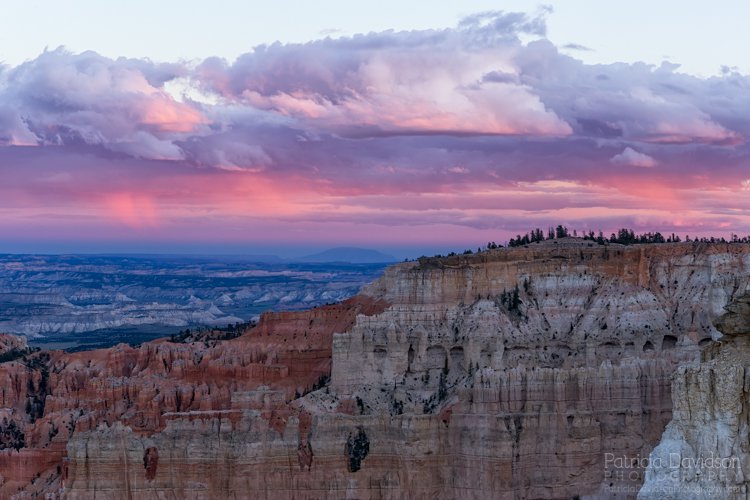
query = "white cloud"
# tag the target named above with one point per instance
(633, 158)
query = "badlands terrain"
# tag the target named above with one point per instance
(74, 300)
(512, 373)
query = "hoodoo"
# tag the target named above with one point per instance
(511, 373)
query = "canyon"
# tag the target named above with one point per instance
(510, 373)
(98, 300)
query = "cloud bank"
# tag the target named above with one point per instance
(487, 127)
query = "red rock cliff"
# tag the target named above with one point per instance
(508, 374)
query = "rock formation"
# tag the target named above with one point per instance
(705, 450)
(513, 373)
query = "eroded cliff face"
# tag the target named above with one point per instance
(49, 397)
(705, 450)
(507, 374)
(545, 361)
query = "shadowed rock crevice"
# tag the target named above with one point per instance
(11, 436)
(357, 448)
(151, 462)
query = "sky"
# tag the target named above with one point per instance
(410, 127)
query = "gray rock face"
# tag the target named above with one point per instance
(705, 450)
(551, 361)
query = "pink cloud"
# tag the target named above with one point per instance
(165, 115)
(134, 210)
(436, 135)
(62, 98)
(633, 158)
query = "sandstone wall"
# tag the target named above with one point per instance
(508, 374)
(705, 450)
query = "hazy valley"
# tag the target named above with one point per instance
(61, 301)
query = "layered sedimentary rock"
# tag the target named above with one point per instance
(705, 450)
(506, 374)
(552, 360)
(47, 397)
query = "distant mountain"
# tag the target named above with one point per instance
(349, 254)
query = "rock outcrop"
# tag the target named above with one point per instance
(51, 396)
(514, 373)
(705, 450)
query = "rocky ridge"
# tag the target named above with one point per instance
(505, 374)
(705, 450)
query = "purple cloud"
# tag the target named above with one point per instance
(61, 98)
(469, 125)
(633, 158)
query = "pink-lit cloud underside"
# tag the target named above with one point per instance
(452, 136)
